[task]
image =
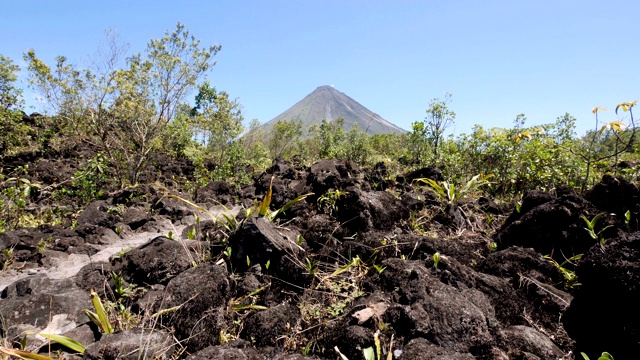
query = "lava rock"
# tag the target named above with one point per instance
(609, 298)
(202, 294)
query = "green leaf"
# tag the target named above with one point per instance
(65, 341)
(605, 356)
(288, 205)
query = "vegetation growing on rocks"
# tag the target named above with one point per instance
(491, 245)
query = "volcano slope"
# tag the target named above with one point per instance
(347, 267)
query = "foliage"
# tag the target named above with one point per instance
(451, 193)
(15, 133)
(327, 138)
(605, 356)
(87, 183)
(591, 228)
(16, 195)
(283, 135)
(592, 150)
(330, 198)
(100, 316)
(427, 135)
(217, 122)
(264, 206)
(570, 278)
(125, 109)
(65, 341)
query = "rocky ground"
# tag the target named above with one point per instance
(363, 256)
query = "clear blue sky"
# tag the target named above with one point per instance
(498, 58)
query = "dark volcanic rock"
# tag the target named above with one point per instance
(156, 262)
(228, 352)
(454, 318)
(617, 196)
(261, 241)
(360, 211)
(552, 227)
(174, 208)
(265, 327)
(132, 345)
(524, 339)
(135, 218)
(218, 192)
(97, 214)
(202, 293)
(37, 299)
(608, 299)
(420, 348)
(330, 174)
(422, 173)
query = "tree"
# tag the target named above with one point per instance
(283, 135)
(439, 118)
(126, 110)
(12, 130)
(217, 121)
(9, 94)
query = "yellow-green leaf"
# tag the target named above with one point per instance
(21, 354)
(263, 209)
(65, 341)
(598, 108)
(626, 105)
(105, 324)
(615, 125)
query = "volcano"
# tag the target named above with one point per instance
(325, 102)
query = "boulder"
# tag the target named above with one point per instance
(201, 293)
(156, 262)
(37, 300)
(260, 241)
(132, 345)
(603, 315)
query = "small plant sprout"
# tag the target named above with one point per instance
(627, 218)
(248, 261)
(99, 317)
(191, 233)
(436, 259)
(330, 198)
(570, 278)
(591, 228)
(170, 235)
(267, 264)
(311, 267)
(379, 268)
(227, 252)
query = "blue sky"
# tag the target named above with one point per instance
(498, 58)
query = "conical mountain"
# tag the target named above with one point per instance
(325, 102)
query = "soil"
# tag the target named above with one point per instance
(385, 259)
